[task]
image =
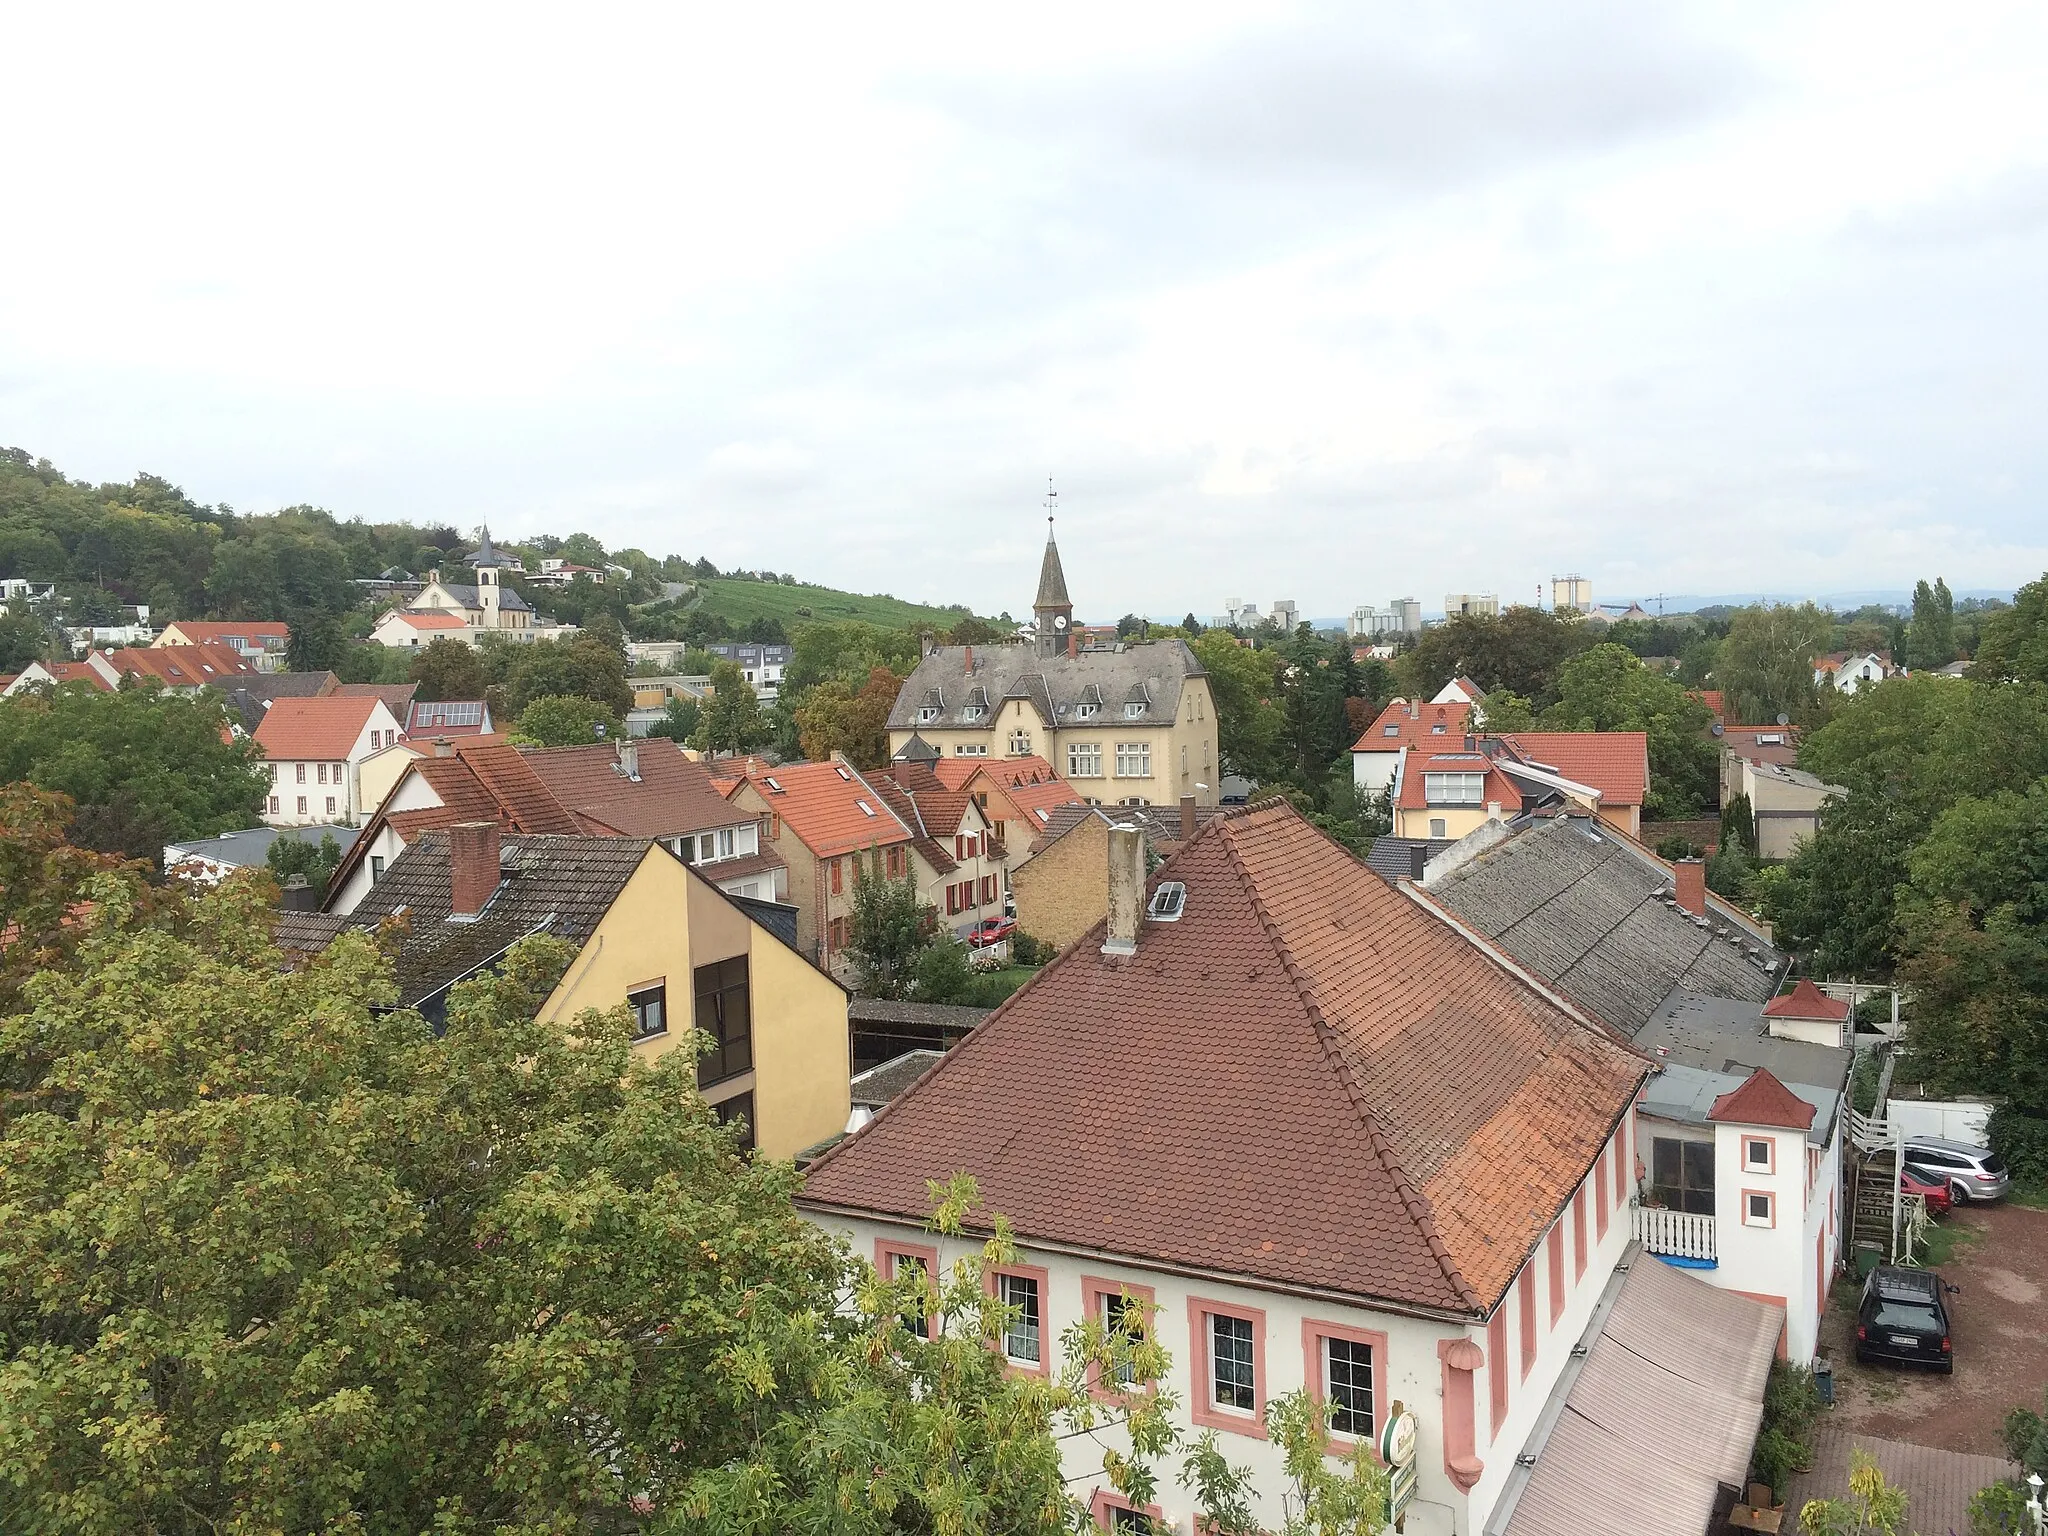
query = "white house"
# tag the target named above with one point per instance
(1376, 756)
(1334, 1142)
(406, 631)
(316, 747)
(1848, 672)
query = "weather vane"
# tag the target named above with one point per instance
(1052, 501)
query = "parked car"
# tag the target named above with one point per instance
(991, 931)
(1903, 1317)
(1933, 1191)
(1971, 1173)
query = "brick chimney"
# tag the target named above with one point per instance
(1126, 890)
(1073, 642)
(443, 747)
(472, 866)
(1418, 860)
(629, 758)
(1690, 888)
(1187, 817)
(970, 658)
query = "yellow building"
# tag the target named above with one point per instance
(651, 934)
(1124, 725)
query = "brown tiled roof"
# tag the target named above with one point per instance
(1806, 1001)
(397, 697)
(821, 804)
(180, 666)
(1617, 763)
(1307, 1079)
(325, 726)
(673, 795)
(1763, 1100)
(1416, 726)
(218, 631)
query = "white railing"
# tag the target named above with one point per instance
(1682, 1234)
(1868, 1134)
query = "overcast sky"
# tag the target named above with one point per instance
(1291, 302)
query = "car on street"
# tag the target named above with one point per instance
(1933, 1191)
(1971, 1173)
(1903, 1317)
(991, 931)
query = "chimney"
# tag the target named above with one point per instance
(1493, 810)
(1418, 860)
(1126, 890)
(1073, 642)
(970, 658)
(443, 747)
(472, 866)
(629, 758)
(1468, 741)
(1187, 817)
(1690, 888)
(299, 896)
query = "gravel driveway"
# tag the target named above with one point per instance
(2000, 1325)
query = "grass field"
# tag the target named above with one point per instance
(738, 601)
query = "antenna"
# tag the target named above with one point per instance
(1052, 505)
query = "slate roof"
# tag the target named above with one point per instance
(1687, 1095)
(778, 917)
(248, 696)
(1718, 1034)
(1308, 1079)
(1763, 1100)
(397, 697)
(556, 885)
(1393, 858)
(508, 599)
(1052, 684)
(1052, 580)
(1589, 911)
(251, 846)
(324, 727)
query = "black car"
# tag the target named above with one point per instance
(1903, 1318)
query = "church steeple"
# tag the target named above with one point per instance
(1054, 609)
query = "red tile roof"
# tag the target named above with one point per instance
(1417, 725)
(1713, 698)
(674, 794)
(217, 631)
(1498, 787)
(180, 666)
(1029, 784)
(1617, 763)
(1763, 1100)
(1309, 1079)
(306, 728)
(434, 620)
(1806, 1001)
(821, 803)
(75, 672)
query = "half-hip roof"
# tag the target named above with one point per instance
(1307, 1078)
(1807, 1001)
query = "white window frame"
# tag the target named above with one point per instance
(1084, 759)
(970, 749)
(1438, 788)
(1134, 759)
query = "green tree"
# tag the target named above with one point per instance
(1931, 641)
(941, 973)
(2014, 643)
(834, 718)
(1873, 1508)
(1608, 689)
(1765, 664)
(293, 855)
(23, 638)
(681, 721)
(1521, 651)
(1191, 626)
(143, 769)
(1738, 825)
(1506, 710)
(585, 667)
(889, 927)
(448, 669)
(568, 720)
(732, 720)
(849, 651)
(1246, 686)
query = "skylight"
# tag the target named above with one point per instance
(865, 808)
(773, 785)
(1168, 902)
(845, 772)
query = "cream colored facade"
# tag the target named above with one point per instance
(665, 926)
(1109, 760)
(380, 772)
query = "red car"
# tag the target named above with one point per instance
(1936, 1195)
(991, 931)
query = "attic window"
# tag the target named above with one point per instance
(972, 712)
(1168, 902)
(1390, 730)
(1437, 729)
(773, 786)
(865, 808)
(1133, 711)
(1774, 739)
(845, 772)
(1084, 711)
(927, 715)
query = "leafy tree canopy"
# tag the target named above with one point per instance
(568, 720)
(448, 669)
(1521, 651)
(2014, 646)
(834, 718)
(1608, 689)
(732, 719)
(1765, 664)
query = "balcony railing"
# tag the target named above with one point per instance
(1681, 1234)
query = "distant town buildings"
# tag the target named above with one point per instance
(1571, 594)
(1471, 605)
(1401, 616)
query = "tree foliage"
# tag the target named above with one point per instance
(1931, 640)
(1523, 651)
(291, 854)
(142, 768)
(448, 669)
(566, 720)
(1245, 684)
(833, 717)
(1607, 688)
(887, 930)
(2014, 645)
(732, 720)
(1764, 666)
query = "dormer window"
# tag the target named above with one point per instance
(1390, 730)
(927, 715)
(972, 713)
(1437, 729)
(1453, 788)
(1133, 711)
(1084, 711)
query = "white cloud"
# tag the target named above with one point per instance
(1315, 301)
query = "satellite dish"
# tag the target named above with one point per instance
(1718, 728)
(1060, 622)
(1784, 719)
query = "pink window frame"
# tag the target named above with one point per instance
(1093, 1289)
(1102, 1501)
(887, 1248)
(1554, 1253)
(1599, 1182)
(1770, 1163)
(1527, 1286)
(1621, 1166)
(1201, 1401)
(1313, 1332)
(1770, 1195)
(1579, 1233)
(1045, 1333)
(1498, 1381)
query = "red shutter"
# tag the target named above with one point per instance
(952, 899)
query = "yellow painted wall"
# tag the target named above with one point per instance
(380, 771)
(1063, 891)
(667, 922)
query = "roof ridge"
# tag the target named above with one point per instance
(1412, 1199)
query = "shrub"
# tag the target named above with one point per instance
(2022, 1140)
(1026, 950)
(1676, 847)
(2000, 1510)
(1791, 1406)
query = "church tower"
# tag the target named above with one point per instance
(1054, 609)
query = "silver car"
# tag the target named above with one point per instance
(1971, 1173)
